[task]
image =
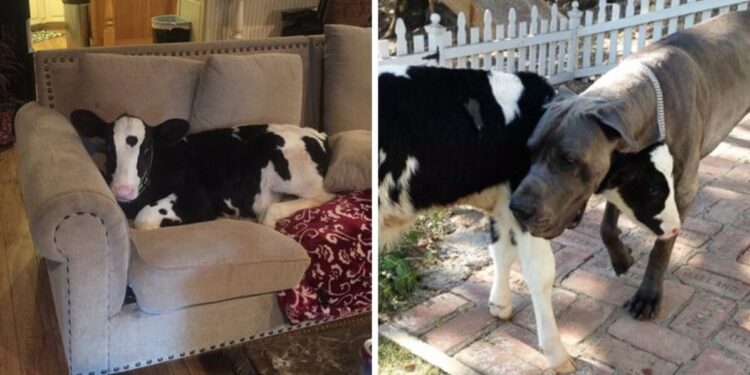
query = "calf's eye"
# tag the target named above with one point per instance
(653, 191)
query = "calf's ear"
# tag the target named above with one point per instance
(88, 124)
(171, 131)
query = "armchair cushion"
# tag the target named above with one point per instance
(187, 265)
(154, 88)
(347, 79)
(251, 89)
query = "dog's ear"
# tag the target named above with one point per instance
(613, 125)
(171, 131)
(554, 112)
(89, 124)
(564, 92)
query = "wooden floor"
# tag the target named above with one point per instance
(29, 338)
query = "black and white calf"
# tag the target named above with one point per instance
(459, 137)
(162, 176)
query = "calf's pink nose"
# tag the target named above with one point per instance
(675, 232)
(124, 191)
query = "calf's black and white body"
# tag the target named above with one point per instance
(161, 176)
(459, 137)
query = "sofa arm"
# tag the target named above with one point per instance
(72, 215)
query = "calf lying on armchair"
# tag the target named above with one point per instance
(161, 176)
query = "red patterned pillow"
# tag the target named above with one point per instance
(338, 238)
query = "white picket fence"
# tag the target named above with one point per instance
(583, 44)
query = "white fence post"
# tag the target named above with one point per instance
(553, 51)
(512, 35)
(402, 48)
(628, 33)
(487, 37)
(461, 37)
(435, 33)
(533, 30)
(613, 35)
(690, 18)
(642, 28)
(601, 17)
(575, 22)
(658, 24)
(499, 57)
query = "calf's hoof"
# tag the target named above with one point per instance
(644, 305)
(501, 312)
(566, 367)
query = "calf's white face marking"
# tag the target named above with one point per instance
(128, 135)
(670, 217)
(151, 216)
(507, 89)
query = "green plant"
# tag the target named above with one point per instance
(398, 269)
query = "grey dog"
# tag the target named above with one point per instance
(704, 74)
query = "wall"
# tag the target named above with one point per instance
(46, 11)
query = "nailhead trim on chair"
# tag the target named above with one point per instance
(67, 279)
(264, 335)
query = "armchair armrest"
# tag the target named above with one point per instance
(61, 186)
(59, 179)
(77, 225)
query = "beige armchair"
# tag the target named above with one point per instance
(198, 287)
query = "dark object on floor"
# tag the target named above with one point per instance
(7, 115)
(171, 29)
(342, 12)
(329, 348)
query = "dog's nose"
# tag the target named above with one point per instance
(123, 191)
(523, 209)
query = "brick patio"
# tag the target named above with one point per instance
(703, 326)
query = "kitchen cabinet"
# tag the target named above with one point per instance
(130, 20)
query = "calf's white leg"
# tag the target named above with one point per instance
(538, 265)
(281, 210)
(503, 255)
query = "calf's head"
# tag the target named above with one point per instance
(131, 146)
(641, 185)
(571, 153)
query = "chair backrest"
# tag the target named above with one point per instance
(57, 83)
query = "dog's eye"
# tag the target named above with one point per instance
(569, 160)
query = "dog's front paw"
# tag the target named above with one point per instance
(501, 312)
(644, 305)
(622, 264)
